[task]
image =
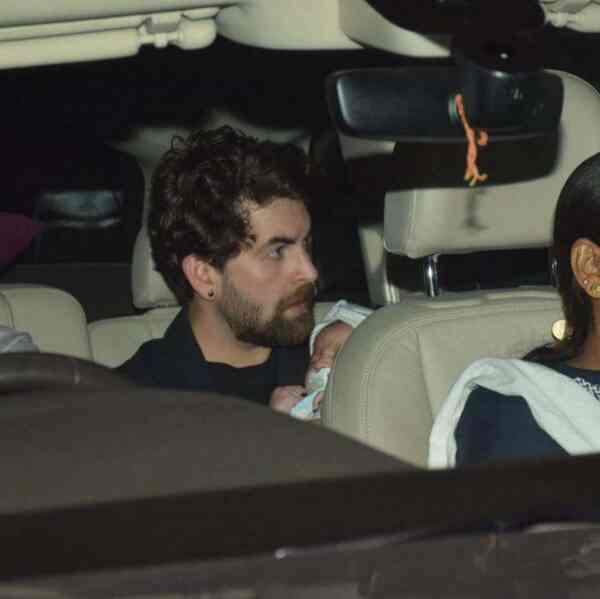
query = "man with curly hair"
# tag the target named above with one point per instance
(230, 232)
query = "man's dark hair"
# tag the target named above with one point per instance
(202, 190)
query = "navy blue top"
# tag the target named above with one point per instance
(497, 427)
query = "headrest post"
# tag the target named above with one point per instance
(431, 275)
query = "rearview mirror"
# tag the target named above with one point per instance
(503, 90)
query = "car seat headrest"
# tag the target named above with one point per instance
(148, 287)
(454, 218)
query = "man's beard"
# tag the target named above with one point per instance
(244, 318)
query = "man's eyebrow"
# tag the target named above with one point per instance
(280, 240)
(284, 240)
(274, 241)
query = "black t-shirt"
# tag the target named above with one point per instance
(176, 362)
(251, 382)
(497, 427)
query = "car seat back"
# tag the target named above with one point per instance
(54, 318)
(396, 369)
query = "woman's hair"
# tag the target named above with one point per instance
(577, 216)
(202, 190)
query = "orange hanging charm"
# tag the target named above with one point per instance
(472, 174)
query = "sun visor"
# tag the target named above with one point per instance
(364, 24)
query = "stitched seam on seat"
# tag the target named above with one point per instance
(425, 377)
(364, 397)
(445, 314)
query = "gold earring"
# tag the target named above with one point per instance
(595, 289)
(559, 330)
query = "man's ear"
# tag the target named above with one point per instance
(585, 262)
(201, 276)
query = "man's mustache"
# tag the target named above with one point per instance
(305, 294)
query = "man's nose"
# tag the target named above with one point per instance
(307, 267)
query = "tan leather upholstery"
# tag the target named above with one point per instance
(147, 285)
(54, 319)
(115, 340)
(396, 369)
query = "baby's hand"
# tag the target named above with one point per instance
(283, 399)
(328, 343)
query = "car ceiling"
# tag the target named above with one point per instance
(36, 32)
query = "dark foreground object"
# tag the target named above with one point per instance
(33, 371)
(135, 491)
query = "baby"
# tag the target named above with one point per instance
(326, 341)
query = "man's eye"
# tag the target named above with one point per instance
(276, 252)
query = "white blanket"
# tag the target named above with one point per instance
(15, 341)
(564, 409)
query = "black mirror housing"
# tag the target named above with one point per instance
(419, 103)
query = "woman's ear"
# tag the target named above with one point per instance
(201, 276)
(585, 262)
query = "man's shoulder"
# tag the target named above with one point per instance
(142, 366)
(153, 361)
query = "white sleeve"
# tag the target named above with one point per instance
(351, 314)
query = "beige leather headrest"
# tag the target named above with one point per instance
(444, 220)
(54, 318)
(147, 285)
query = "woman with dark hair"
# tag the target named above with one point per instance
(547, 403)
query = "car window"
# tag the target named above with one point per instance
(87, 196)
